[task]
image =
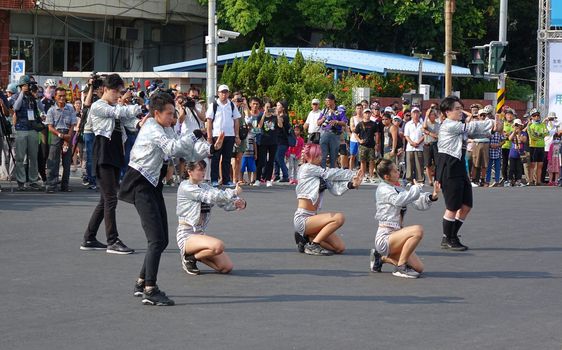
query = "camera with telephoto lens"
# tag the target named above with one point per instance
(97, 80)
(189, 102)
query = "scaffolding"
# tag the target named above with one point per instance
(546, 35)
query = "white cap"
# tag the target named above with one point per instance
(517, 121)
(315, 100)
(388, 109)
(416, 109)
(366, 110)
(223, 88)
(552, 114)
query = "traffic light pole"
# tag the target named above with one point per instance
(500, 96)
(449, 10)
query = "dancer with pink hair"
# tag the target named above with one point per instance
(314, 232)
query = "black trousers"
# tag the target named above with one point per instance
(226, 153)
(108, 184)
(151, 207)
(505, 162)
(43, 155)
(515, 169)
(266, 157)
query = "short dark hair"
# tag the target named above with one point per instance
(448, 103)
(330, 96)
(383, 167)
(113, 82)
(60, 88)
(255, 99)
(359, 104)
(193, 165)
(158, 102)
(194, 88)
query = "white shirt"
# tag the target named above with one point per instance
(415, 133)
(356, 120)
(191, 122)
(223, 120)
(552, 127)
(312, 120)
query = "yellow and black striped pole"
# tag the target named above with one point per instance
(500, 100)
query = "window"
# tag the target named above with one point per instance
(22, 49)
(44, 51)
(80, 56)
(58, 56)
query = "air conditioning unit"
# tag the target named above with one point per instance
(125, 33)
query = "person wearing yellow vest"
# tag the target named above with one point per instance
(507, 129)
(537, 131)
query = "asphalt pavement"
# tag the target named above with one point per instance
(503, 293)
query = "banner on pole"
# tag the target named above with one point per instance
(555, 78)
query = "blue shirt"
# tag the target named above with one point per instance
(333, 115)
(61, 118)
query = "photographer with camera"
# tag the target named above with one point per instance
(240, 102)
(26, 123)
(93, 90)
(46, 102)
(331, 122)
(108, 121)
(191, 118)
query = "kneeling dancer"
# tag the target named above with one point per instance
(195, 200)
(313, 231)
(394, 243)
(142, 185)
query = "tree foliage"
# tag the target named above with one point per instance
(383, 25)
(299, 81)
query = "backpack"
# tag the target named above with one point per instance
(291, 138)
(242, 129)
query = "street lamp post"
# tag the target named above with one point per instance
(211, 41)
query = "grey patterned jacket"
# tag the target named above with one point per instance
(309, 176)
(190, 197)
(391, 200)
(103, 117)
(452, 134)
(154, 143)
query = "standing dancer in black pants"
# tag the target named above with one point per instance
(451, 169)
(142, 184)
(108, 121)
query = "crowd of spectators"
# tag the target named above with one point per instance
(43, 132)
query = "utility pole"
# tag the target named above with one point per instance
(421, 57)
(449, 10)
(211, 41)
(500, 95)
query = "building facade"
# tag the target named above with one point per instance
(53, 36)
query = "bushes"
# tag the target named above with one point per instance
(299, 81)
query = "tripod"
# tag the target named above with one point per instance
(6, 131)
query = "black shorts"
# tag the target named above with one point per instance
(343, 151)
(457, 192)
(537, 154)
(451, 173)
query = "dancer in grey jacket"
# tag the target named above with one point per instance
(394, 243)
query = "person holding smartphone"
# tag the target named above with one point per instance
(270, 126)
